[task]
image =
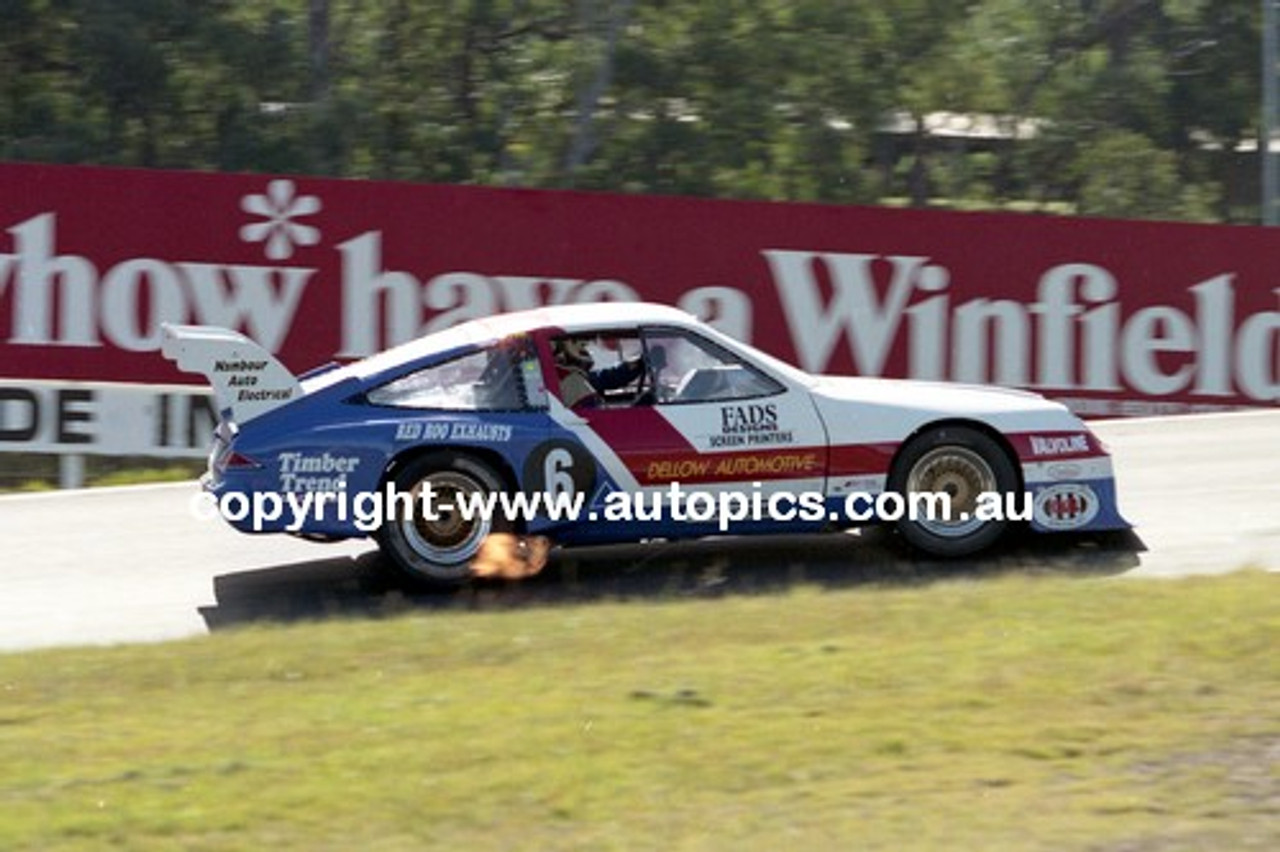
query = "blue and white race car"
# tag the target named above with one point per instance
(630, 422)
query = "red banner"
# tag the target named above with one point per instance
(1114, 317)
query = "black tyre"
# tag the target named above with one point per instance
(963, 463)
(436, 550)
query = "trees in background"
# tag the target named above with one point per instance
(1129, 108)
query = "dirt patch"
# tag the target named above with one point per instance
(1238, 806)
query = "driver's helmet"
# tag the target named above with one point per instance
(572, 352)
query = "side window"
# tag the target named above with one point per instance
(690, 368)
(503, 377)
(600, 370)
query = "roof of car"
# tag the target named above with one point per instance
(481, 332)
(579, 317)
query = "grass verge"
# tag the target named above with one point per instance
(21, 472)
(1018, 713)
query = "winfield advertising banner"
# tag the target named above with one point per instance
(1111, 317)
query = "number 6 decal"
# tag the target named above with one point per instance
(559, 467)
(557, 472)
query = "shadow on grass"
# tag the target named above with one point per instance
(359, 587)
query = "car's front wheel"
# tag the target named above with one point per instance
(432, 542)
(962, 463)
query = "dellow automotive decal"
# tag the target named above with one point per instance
(725, 467)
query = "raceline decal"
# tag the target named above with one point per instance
(1066, 507)
(640, 429)
(854, 460)
(643, 447)
(600, 450)
(656, 452)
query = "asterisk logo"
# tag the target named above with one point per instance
(280, 206)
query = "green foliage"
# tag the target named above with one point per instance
(1124, 175)
(805, 99)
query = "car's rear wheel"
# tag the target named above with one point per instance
(434, 544)
(962, 463)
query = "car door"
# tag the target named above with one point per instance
(699, 418)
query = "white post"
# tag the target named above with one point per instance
(71, 470)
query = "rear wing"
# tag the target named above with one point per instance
(247, 380)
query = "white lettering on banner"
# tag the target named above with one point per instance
(1157, 351)
(1075, 336)
(855, 304)
(103, 418)
(1258, 338)
(382, 308)
(260, 299)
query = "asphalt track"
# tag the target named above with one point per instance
(132, 564)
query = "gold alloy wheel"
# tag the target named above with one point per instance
(961, 474)
(449, 536)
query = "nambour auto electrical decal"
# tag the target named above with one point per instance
(1113, 318)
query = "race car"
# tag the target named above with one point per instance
(630, 422)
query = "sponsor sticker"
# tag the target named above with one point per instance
(733, 466)
(1065, 470)
(1065, 507)
(481, 432)
(1059, 445)
(324, 472)
(872, 484)
(750, 425)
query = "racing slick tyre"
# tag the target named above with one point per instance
(435, 548)
(963, 463)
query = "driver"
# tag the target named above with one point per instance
(581, 385)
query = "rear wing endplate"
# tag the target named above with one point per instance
(247, 380)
